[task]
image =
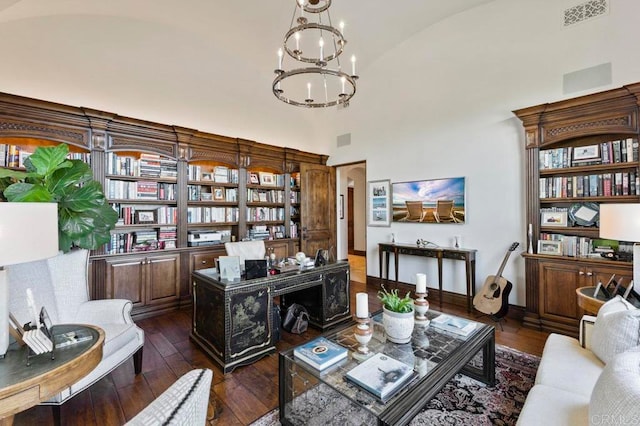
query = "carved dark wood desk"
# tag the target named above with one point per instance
(233, 321)
(466, 255)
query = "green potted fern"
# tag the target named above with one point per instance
(85, 218)
(397, 315)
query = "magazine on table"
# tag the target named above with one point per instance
(453, 324)
(381, 375)
(72, 338)
(320, 353)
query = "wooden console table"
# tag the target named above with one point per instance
(466, 255)
(22, 386)
(233, 322)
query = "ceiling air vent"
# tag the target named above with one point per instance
(584, 11)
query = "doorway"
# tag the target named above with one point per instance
(351, 229)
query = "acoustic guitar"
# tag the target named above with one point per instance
(493, 298)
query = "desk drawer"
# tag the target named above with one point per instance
(454, 255)
(419, 252)
(203, 261)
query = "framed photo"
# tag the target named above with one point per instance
(550, 247)
(218, 194)
(586, 153)
(553, 218)
(146, 216)
(267, 179)
(430, 201)
(254, 179)
(206, 176)
(379, 203)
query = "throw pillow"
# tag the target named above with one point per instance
(615, 333)
(614, 305)
(615, 396)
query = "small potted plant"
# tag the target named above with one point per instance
(397, 315)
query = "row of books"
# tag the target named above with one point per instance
(264, 232)
(212, 214)
(140, 190)
(260, 214)
(219, 174)
(128, 242)
(265, 195)
(264, 178)
(162, 215)
(207, 193)
(15, 156)
(610, 152)
(294, 197)
(571, 245)
(596, 185)
(148, 165)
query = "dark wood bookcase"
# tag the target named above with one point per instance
(558, 139)
(186, 166)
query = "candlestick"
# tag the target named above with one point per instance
(297, 37)
(362, 305)
(353, 64)
(308, 90)
(343, 81)
(421, 306)
(421, 283)
(363, 333)
(280, 53)
(530, 234)
(321, 49)
(342, 28)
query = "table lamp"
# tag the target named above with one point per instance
(28, 232)
(622, 222)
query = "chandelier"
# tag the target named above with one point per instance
(317, 79)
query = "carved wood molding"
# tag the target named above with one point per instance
(196, 154)
(10, 128)
(117, 142)
(622, 124)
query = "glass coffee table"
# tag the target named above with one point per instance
(311, 397)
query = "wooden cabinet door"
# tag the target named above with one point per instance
(163, 278)
(317, 208)
(280, 248)
(125, 279)
(558, 284)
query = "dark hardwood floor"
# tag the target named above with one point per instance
(239, 397)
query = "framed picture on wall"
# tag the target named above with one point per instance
(430, 201)
(379, 203)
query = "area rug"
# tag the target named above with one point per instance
(465, 401)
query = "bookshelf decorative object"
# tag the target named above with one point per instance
(581, 153)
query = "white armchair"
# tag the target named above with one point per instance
(184, 403)
(60, 285)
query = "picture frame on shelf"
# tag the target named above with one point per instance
(555, 218)
(206, 176)
(550, 247)
(254, 179)
(379, 203)
(586, 153)
(146, 217)
(218, 194)
(267, 179)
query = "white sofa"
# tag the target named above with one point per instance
(594, 381)
(60, 285)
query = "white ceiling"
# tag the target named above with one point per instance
(196, 63)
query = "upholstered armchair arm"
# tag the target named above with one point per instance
(586, 328)
(105, 311)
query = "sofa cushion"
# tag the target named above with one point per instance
(616, 394)
(614, 305)
(615, 333)
(567, 365)
(549, 406)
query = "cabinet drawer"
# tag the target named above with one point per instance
(203, 261)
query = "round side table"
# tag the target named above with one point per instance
(22, 386)
(587, 301)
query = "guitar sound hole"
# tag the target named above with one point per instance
(493, 287)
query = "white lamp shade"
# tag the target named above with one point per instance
(620, 222)
(28, 232)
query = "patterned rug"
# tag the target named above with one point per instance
(465, 401)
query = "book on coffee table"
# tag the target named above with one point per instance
(381, 376)
(453, 324)
(320, 353)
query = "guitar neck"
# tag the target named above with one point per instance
(506, 258)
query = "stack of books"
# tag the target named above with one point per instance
(320, 353)
(453, 324)
(146, 190)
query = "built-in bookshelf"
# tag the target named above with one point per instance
(265, 206)
(581, 153)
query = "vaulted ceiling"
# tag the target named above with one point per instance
(206, 64)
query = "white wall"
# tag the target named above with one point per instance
(439, 105)
(354, 176)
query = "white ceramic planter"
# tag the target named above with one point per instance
(397, 326)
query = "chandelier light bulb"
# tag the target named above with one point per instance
(308, 90)
(297, 37)
(301, 3)
(342, 28)
(353, 64)
(280, 54)
(321, 43)
(343, 80)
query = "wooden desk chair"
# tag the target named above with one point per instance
(444, 211)
(415, 211)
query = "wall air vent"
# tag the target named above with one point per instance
(584, 11)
